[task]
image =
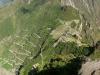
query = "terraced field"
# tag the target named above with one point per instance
(25, 28)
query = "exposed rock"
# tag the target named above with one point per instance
(90, 68)
(68, 32)
(90, 12)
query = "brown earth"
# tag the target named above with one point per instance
(5, 72)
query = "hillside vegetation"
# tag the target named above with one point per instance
(41, 33)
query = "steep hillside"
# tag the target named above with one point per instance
(89, 12)
(44, 36)
(25, 30)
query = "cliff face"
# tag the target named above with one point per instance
(92, 69)
(89, 11)
(90, 8)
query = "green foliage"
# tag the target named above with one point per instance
(62, 68)
(38, 18)
(6, 28)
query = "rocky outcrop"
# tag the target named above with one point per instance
(88, 7)
(90, 68)
(89, 13)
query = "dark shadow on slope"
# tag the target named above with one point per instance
(93, 48)
(24, 10)
(33, 71)
(70, 68)
(17, 72)
(98, 45)
(90, 50)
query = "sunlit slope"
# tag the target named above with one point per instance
(25, 30)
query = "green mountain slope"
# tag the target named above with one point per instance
(27, 31)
